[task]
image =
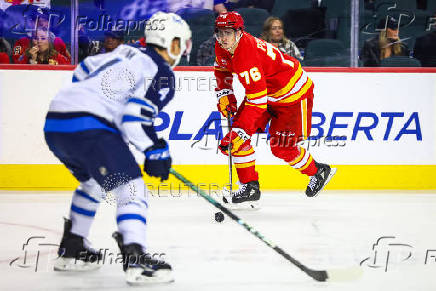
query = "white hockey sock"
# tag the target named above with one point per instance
(84, 205)
(132, 211)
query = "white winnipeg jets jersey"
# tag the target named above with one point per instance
(126, 87)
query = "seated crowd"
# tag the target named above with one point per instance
(41, 45)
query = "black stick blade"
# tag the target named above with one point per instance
(320, 276)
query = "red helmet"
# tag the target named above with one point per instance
(229, 20)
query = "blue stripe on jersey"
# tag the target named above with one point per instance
(75, 124)
(142, 102)
(104, 67)
(131, 216)
(82, 211)
(84, 67)
(131, 118)
(145, 203)
(87, 196)
(75, 80)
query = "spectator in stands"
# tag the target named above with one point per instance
(40, 20)
(112, 39)
(206, 52)
(44, 52)
(425, 46)
(215, 5)
(88, 47)
(5, 51)
(273, 33)
(385, 45)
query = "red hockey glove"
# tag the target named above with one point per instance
(226, 102)
(239, 140)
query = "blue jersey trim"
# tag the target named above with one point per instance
(131, 118)
(84, 67)
(76, 124)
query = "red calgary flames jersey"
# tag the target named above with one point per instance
(268, 76)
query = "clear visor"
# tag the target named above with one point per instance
(224, 33)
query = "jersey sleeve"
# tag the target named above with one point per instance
(252, 77)
(224, 77)
(153, 90)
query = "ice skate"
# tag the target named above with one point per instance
(320, 179)
(75, 254)
(245, 198)
(141, 268)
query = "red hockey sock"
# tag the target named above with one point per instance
(311, 168)
(246, 174)
(304, 163)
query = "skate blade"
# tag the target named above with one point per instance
(248, 205)
(134, 277)
(332, 173)
(73, 265)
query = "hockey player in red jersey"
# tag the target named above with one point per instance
(278, 90)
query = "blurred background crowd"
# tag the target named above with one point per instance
(341, 33)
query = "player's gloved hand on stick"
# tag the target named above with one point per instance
(226, 102)
(158, 160)
(237, 138)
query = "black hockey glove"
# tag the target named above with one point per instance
(157, 160)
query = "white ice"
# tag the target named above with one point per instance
(333, 230)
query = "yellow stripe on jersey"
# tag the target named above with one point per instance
(237, 143)
(255, 95)
(244, 165)
(244, 153)
(290, 84)
(299, 158)
(221, 69)
(309, 160)
(261, 106)
(298, 95)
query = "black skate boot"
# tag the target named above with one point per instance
(247, 197)
(142, 268)
(74, 254)
(320, 179)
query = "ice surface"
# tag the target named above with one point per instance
(333, 230)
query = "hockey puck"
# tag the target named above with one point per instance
(219, 216)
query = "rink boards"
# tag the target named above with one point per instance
(377, 127)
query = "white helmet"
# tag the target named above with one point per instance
(163, 27)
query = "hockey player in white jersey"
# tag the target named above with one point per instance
(113, 100)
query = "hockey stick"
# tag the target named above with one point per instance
(323, 275)
(229, 124)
